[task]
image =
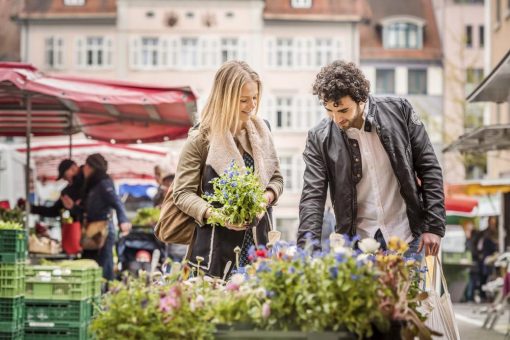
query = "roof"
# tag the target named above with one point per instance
(321, 10)
(495, 87)
(51, 9)
(371, 44)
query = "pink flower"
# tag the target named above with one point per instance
(172, 300)
(231, 286)
(266, 310)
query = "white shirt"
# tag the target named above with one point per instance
(380, 205)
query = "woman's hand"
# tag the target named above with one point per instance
(269, 196)
(235, 227)
(125, 228)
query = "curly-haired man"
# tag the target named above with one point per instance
(379, 164)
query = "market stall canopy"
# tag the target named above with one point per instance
(103, 110)
(483, 139)
(124, 161)
(460, 203)
(495, 87)
(480, 188)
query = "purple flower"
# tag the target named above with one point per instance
(333, 272)
(270, 294)
(354, 277)
(233, 184)
(340, 258)
(263, 267)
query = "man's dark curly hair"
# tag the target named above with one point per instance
(340, 79)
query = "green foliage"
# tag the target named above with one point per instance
(4, 225)
(15, 215)
(135, 309)
(238, 197)
(146, 217)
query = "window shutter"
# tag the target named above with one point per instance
(337, 49)
(80, 52)
(270, 52)
(134, 53)
(109, 52)
(242, 50)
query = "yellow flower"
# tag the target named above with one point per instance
(397, 245)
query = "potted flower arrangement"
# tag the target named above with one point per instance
(286, 292)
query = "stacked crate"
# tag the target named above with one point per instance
(60, 301)
(13, 254)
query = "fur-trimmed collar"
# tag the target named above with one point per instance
(256, 140)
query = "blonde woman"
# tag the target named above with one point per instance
(229, 130)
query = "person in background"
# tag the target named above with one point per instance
(166, 177)
(73, 175)
(486, 246)
(99, 199)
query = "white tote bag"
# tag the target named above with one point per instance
(439, 309)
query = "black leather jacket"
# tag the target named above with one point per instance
(334, 160)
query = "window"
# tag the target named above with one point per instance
(481, 34)
(150, 52)
(284, 52)
(402, 35)
(323, 52)
(301, 3)
(474, 76)
(417, 81)
(469, 36)
(74, 2)
(189, 52)
(284, 112)
(229, 49)
(385, 81)
(286, 167)
(54, 52)
(94, 52)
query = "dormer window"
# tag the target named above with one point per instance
(301, 3)
(404, 33)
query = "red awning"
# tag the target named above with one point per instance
(460, 203)
(124, 161)
(101, 109)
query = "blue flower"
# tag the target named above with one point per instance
(354, 277)
(234, 184)
(263, 267)
(340, 258)
(292, 270)
(333, 272)
(270, 294)
(223, 182)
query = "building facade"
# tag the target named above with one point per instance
(463, 41)
(177, 42)
(401, 56)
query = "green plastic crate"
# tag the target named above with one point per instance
(12, 280)
(53, 282)
(12, 312)
(57, 314)
(16, 335)
(56, 289)
(13, 245)
(74, 333)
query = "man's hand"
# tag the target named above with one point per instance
(431, 243)
(67, 202)
(125, 228)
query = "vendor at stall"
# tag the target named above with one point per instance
(73, 174)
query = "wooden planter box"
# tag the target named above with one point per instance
(282, 335)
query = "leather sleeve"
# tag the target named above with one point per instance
(429, 172)
(313, 196)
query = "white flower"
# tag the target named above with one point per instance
(336, 240)
(369, 245)
(260, 293)
(237, 279)
(343, 251)
(291, 251)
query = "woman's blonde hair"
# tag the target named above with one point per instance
(221, 111)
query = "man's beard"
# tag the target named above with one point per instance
(358, 118)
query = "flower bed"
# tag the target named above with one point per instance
(341, 290)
